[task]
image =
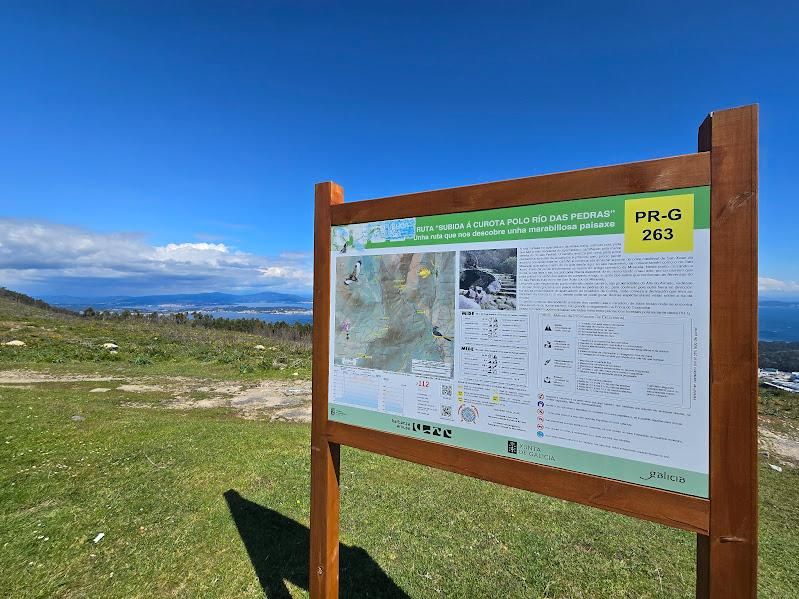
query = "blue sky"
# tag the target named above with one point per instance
(160, 147)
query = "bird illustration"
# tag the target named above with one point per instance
(353, 277)
(437, 333)
(344, 248)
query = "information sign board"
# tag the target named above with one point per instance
(588, 335)
(572, 334)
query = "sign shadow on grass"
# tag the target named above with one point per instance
(278, 548)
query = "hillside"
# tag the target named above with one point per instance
(782, 355)
(59, 339)
(16, 305)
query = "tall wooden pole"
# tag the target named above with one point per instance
(727, 557)
(323, 575)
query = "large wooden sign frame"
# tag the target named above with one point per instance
(726, 523)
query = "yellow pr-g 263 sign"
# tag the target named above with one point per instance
(659, 224)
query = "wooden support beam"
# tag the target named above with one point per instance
(324, 570)
(727, 557)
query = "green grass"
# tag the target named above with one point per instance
(71, 344)
(187, 498)
(201, 503)
(779, 404)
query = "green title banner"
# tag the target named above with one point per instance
(592, 216)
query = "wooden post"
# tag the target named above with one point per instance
(726, 563)
(323, 574)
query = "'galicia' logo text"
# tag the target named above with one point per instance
(675, 478)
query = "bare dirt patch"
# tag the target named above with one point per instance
(779, 446)
(275, 400)
(264, 400)
(298, 414)
(271, 400)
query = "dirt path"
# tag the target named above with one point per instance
(281, 400)
(274, 400)
(779, 446)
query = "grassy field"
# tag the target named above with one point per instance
(201, 503)
(70, 344)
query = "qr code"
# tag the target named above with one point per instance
(512, 447)
(446, 390)
(446, 411)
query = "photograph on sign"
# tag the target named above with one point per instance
(572, 334)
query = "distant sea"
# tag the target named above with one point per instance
(289, 317)
(270, 311)
(779, 321)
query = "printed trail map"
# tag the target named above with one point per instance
(394, 309)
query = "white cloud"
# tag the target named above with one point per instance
(767, 285)
(52, 258)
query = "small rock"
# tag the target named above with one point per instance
(260, 347)
(77, 418)
(99, 390)
(15, 343)
(295, 374)
(139, 388)
(775, 467)
(292, 391)
(98, 538)
(110, 346)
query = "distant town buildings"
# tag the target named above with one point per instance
(787, 381)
